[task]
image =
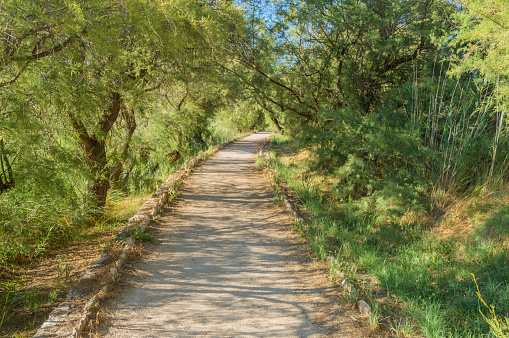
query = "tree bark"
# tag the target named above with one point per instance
(6, 176)
(276, 123)
(125, 177)
(174, 156)
(94, 151)
(130, 127)
(97, 162)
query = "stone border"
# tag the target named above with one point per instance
(72, 317)
(345, 285)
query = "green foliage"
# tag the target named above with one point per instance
(315, 56)
(138, 234)
(32, 224)
(481, 40)
(430, 276)
(244, 117)
(375, 159)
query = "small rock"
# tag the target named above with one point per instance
(93, 302)
(129, 242)
(123, 255)
(364, 308)
(98, 262)
(347, 286)
(103, 292)
(113, 272)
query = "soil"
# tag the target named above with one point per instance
(42, 276)
(228, 264)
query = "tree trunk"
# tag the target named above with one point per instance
(6, 175)
(174, 156)
(94, 151)
(125, 177)
(97, 162)
(276, 123)
(130, 127)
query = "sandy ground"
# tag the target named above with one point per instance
(228, 265)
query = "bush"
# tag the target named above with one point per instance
(31, 225)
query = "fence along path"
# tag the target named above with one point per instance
(228, 265)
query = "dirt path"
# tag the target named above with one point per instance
(228, 265)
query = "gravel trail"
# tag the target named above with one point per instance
(228, 265)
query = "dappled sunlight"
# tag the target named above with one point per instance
(222, 265)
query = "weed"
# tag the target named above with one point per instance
(403, 329)
(6, 306)
(278, 199)
(499, 327)
(63, 273)
(12, 295)
(138, 234)
(374, 318)
(53, 295)
(261, 162)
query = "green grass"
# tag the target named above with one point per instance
(16, 295)
(431, 276)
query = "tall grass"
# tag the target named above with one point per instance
(31, 225)
(465, 131)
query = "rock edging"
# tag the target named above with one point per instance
(345, 284)
(72, 317)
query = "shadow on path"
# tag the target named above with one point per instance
(223, 266)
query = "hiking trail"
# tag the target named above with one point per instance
(228, 264)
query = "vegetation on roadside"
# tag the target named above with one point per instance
(396, 109)
(419, 259)
(85, 117)
(396, 113)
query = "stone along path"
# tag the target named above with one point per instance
(228, 265)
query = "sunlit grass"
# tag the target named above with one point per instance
(124, 207)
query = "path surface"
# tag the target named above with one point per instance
(228, 265)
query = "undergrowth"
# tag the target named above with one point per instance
(430, 275)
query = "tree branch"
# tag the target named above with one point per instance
(57, 48)
(111, 114)
(15, 78)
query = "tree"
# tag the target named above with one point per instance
(482, 43)
(36, 30)
(481, 40)
(337, 54)
(99, 61)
